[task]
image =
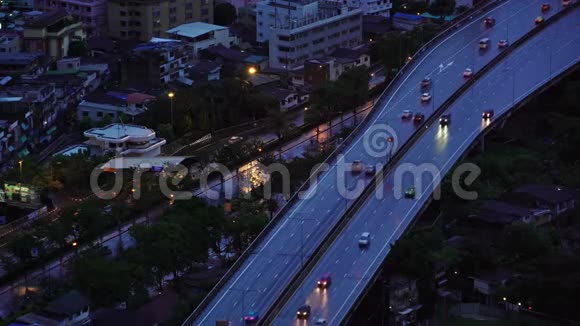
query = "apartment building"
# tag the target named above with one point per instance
(52, 33)
(24, 64)
(330, 26)
(145, 19)
(154, 64)
(201, 36)
(10, 43)
(92, 13)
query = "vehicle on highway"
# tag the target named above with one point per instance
(426, 82)
(565, 3)
(484, 43)
(325, 281)
(425, 97)
(489, 22)
(419, 117)
(365, 239)
(303, 312)
(234, 139)
(545, 7)
(502, 43)
(321, 321)
(251, 318)
(487, 115)
(539, 20)
(407, 114)
(445, 120)
(356, 166)
(370, 170)
(410, 193)
(467, 72)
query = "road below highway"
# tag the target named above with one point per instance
(432, 156)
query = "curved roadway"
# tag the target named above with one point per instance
(523, 71)
(263, 276)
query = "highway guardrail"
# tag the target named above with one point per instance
(459, 20)
(370, 189)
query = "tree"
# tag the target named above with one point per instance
(523, 242)
(104, 280)
(224, 14)
(442, 7)
(77, 49)
(353, 87)
(165, 130)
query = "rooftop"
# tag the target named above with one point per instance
(120, 132)
(351, 54)
(445, 18)
(47, 19)
(549, 193)
(255, 59)
(193, 30)
(72, 150)
(412, 17)
(20, 58)
(156, 46)
(68, 304)
(144, 162)
(226, 53)
(204, 67)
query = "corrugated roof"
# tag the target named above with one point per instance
(194, 30)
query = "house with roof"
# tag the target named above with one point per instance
(204, 71)
(374, 27)
(403, 300)
(201, 36)
(225, 56)
(486, 283)
(24, 64)
(407, 22)
(557, 199)
(259, 62)
(499, 214)
(52, 33)
(72, 308)
(124, 140)
(114, 105)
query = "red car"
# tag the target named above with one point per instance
(545, 7)
(489, 21)
(565, 2)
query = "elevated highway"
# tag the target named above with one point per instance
(520, 74)
(265, 269)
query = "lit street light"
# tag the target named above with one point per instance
(171, 95)
(252, 70)
(20, 164)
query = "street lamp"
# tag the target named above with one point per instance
(171, 95)
(20, 164)
(252, 70)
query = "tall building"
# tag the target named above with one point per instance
(154, 64)
(323, 27)
(144, 19)
(52, 33)
(92, 13)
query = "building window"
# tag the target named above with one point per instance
(204, 11)
(172, 10)
(189, 6)
(85, 113)
(123, 33)
(100, 114)
(172, 19)
(189, 15)
(88, 9)
(123, 13)
(123, 23)
(156, 13)
(111, 115)
(204, 2)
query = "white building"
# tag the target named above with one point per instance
(201, 36)
(333, 26)
(114, 106)
(124, 140)
(373, 7)
(272, 14)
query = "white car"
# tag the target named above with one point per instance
(321, 321)
(502, 43)
(407, 114)
(234, 139)
(467, 72)
(365, 239)
(425, 97)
